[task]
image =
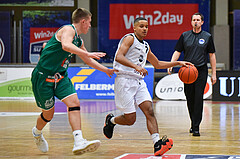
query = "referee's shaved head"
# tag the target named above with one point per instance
(138, 19)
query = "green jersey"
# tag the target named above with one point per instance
(53, 58)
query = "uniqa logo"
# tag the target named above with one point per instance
(2, 49)
(223, 86)
(172, 88)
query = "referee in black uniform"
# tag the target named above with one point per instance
(196, 45)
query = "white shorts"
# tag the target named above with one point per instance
(129, 93)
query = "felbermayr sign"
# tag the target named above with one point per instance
(227, 87)
(90, 83)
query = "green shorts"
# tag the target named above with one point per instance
(46, 88)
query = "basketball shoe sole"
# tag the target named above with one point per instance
(86, 146)
(165, 144)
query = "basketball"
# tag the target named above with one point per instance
(188, 74)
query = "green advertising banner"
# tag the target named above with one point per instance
(15, 83)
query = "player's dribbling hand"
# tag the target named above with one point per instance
(110, 72)
(169, 70)
(185, 63)
(141, 70)
(96, 55)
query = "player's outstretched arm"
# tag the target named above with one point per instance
(92, 63)
(175, 57)
(164, 64)
(66, 35)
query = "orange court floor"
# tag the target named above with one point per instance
(220, 131)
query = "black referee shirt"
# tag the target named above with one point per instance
(196, 47)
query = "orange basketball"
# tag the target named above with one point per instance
(188, 74)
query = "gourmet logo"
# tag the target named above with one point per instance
(19, 88)
(166, 21)
(2, 49)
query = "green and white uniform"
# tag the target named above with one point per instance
(50, 76)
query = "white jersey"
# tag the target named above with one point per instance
(137, 54)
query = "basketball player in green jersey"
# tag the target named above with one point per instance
(50, 79)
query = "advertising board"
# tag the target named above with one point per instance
(227, 87)
(167, 20)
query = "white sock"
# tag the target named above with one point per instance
(155, 137)
(77, 135)
(112, 120)
(36, 131)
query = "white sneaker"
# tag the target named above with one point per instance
(85, 146)
(40, 141)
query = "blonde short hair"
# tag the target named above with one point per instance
(79, 14)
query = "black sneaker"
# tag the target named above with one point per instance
(162, 146)
(108, 126)
(196, 133)
(190, 130)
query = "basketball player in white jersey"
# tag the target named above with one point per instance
(131, 90)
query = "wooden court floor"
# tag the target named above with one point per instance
(220, 130)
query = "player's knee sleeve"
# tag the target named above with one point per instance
(44, 118)
(74, 108)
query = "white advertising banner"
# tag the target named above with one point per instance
(171, 87)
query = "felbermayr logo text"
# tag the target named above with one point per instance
(82, 75)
